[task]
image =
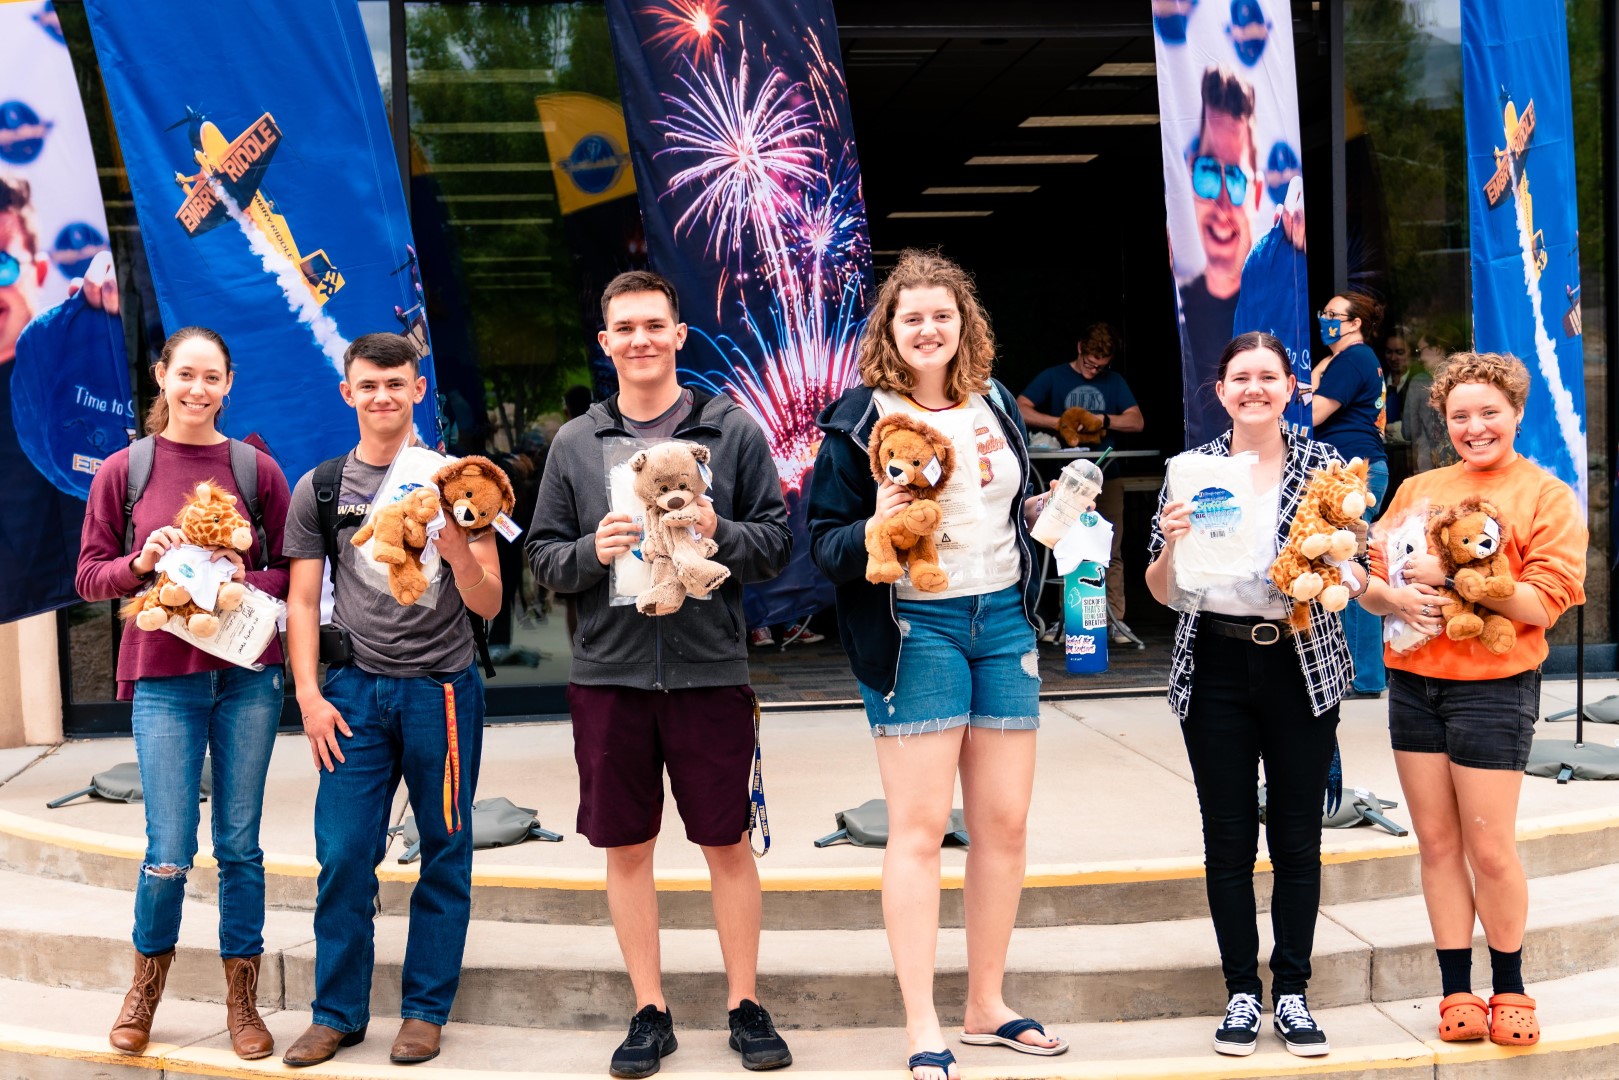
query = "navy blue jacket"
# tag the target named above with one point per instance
(843, 496)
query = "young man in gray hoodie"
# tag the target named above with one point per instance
(655, 692)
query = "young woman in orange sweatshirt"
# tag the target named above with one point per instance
(1461, 718)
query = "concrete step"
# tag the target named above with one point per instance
(58, 1034)
(1359, 865)
(518, 974)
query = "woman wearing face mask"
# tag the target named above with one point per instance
(1461, 718)
(946, 676)
(188, 703)
(1347, 408)
(1248, 689)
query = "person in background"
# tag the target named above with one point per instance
(1347, 407)
(1461, 717)
(190, 704)
(1422, 422)
(1088, 381)
(1398, 352)
(1249, 690)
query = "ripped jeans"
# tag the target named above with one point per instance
(962, 660)
(230, 716)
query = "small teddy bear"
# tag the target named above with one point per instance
(209, 520)
(1325, 531)
(1468, 540)
(669, 478)
(1080, 427)
(472, 491)
(918, 458)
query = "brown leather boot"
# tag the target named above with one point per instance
(248, 1035)
(133, 1028)
(319, 1043)
(416, 1042)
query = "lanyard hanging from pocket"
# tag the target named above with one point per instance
(452, 765)
(756, 793)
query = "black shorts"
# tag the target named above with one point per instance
(623, 738)
(1479, 723)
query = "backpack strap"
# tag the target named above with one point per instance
(328, 484)
(142, 452)
(244, 470)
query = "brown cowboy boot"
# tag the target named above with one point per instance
(248, 1035)
(133, 1028)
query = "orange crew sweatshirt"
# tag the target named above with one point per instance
(1545, 539)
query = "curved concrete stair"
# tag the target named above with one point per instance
(1359, 865)
(56, 1034)
(520, 974)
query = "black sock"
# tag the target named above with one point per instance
(1455, 971)
(1506, 971)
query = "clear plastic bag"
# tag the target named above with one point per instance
(1402, 540)
(1222, 548)
(411, 471)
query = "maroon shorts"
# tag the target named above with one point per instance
(623, 738)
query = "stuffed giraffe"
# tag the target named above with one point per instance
(209, 520)
(1325, 525)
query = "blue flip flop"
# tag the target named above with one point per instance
(935, 1059)
(1007, 1035)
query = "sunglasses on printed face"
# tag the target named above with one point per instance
(10, 269)
(1208, 174)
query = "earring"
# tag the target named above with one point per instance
(224, 403)
(1520, 429)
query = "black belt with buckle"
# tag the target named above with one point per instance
(1256, 630)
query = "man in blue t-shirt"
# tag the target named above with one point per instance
(1088, 381)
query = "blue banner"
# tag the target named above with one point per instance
(749, 186)
(1234, 190)
(1523, 218)
(64, 373)
(269, 199)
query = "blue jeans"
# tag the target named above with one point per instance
(399, 732)
(1363, 630)
(965, 660)
(230, 715)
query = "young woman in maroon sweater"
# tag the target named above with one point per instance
(187, 703)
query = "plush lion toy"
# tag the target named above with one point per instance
(1468, 540)
(669, 479)
(1080, 427)
(209, 520)
(1325, 527)
(472, 491)
(918, 458)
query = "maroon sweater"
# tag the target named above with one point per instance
(104, 566)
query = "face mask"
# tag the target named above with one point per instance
(1330, 328)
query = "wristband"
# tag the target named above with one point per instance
(468, 588)
(1107, 421)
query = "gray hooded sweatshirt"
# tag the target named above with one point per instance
(705, 643)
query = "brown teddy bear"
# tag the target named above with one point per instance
(1468, 540)
(209, 520)
(669, 479)
(1326, 525)
(1080, 427)
(918, 458)
(472, 491)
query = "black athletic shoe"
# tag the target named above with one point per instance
(651, 1038)
(1298, 1028)
(1239, 1031)
(754, 1035)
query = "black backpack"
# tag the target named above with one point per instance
(328, 484)
(244, 471)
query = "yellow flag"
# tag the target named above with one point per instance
(590, 156)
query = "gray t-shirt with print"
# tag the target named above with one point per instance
(389, 639)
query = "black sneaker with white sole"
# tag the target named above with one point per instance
(1298, 1028)
(754, 1036)
(651, 1039)
(1239, 1031)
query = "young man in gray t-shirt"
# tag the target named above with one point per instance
(383, 714)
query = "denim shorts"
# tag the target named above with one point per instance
(965, 660)
(1479, 723)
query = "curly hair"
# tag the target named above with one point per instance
(1100, 341)
(1503, 371)
(881, 366)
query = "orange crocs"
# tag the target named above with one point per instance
(1462, 1017)
(1513, 1021)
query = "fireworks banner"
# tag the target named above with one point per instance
(269, 200)
(1233, 188)
(749, 186)
(1525, 246)
(64, 372)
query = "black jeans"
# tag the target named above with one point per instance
(1250, 703)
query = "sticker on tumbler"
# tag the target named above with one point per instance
(1215, 512)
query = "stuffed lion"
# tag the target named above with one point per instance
(918, 458)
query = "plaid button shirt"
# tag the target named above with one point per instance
(1323, 653)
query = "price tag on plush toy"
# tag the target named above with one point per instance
(508, 528)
